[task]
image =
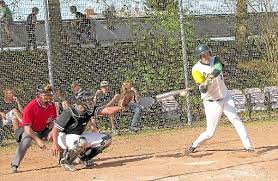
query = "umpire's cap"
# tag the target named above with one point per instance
(44, 88)
(201, 49)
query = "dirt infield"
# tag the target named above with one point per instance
(157, 155)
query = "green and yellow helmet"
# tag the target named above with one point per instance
(201, 49)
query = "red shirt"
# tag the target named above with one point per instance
(38, 116)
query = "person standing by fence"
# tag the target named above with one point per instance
(6, 19)
(31, 28)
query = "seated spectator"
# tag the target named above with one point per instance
(78, 93)
(101, 98)
(31, 28)
(6, 19)
(58, 99)
(82, 23)
(10, 109)
(128, 100)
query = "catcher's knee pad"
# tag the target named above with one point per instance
(106, 141)
(71, 154)
(81, 142)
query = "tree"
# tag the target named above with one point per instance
(241, 23)
(159, 45)
(161, 5)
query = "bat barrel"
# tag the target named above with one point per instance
(169, 94)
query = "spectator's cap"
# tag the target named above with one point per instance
(35, 9)
(44, 88)
(104, 83)
(73, 9)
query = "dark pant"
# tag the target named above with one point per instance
(24, 143)
(31, 37)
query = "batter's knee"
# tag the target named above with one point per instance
(235, 119)
(208, 135)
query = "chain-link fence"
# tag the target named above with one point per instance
(118, 40)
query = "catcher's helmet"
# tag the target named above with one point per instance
(201, 49)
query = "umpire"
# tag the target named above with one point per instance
(38, 117)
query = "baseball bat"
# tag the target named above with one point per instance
(172, 93)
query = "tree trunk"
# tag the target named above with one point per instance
(241, 24)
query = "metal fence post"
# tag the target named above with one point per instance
(48, 43)
(185, 61)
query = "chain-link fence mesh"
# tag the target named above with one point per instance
(140, 41)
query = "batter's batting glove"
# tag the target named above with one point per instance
(210, 77)
(203, 88)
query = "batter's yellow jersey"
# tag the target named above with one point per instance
(217, 89)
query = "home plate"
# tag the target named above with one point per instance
(201, 163)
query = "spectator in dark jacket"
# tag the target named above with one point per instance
(31, 28)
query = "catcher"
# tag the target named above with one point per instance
(68, 134)
(128, 99)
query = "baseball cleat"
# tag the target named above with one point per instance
(249, 150)
(88, 163)
(189, 150)
(66, 166)
(14, 168)
(133, 129)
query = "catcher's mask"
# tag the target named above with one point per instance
(45, 92)
(83, 108)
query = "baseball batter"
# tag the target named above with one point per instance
(207, 73)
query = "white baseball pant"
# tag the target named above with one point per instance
(213, 111)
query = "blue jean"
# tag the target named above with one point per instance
(136, 109)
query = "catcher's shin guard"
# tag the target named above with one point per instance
(91, 152)
(69, 156)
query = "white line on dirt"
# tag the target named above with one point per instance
(201, 163)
